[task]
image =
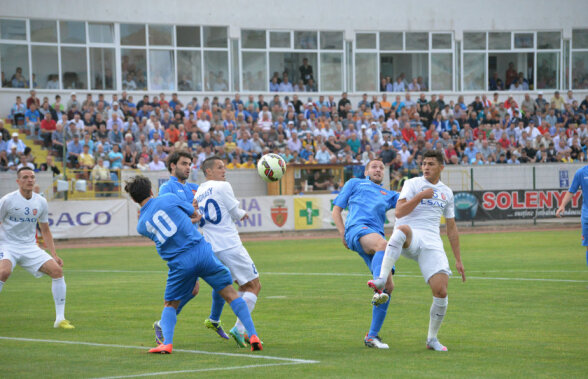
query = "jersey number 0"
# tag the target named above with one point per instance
(163, 230)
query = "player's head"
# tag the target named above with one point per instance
(432, 165)
(178, 164)
(375, 171)
(25, 178)
(139, 187)
(214, 168)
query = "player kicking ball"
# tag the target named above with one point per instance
(363, 232)
(421, 204)
(19, 213)
(220, 210)
(167, 221)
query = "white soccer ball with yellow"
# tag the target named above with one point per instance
(271, 167)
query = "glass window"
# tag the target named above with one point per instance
(524, 40)
(441, 41)
(332, 40)
(215, 36)
(14, 60)
(45, 67)
(189, 71)
(134, 69)
(548, 40)
(474, 41)
(417, 41)
(13, 29)
(253, 39)
(280, 39)
(441, 72)
(101, 33)
(188, 36)
(474, 71)
(331, 72)
(390, 40)
(292, 64)
(132, 34)
(547, 70)
(216, 71)
(102, 68)
(580, 39)
(579, 70)
(161, 70)
(408, 66)
(506, 68)
(160, 35)
(366, 72)
(365, 40)
(254, 71)
(305, 40)
(74, 72)
(499, 41)
(43, 31)
(72, 32)
(235, 72)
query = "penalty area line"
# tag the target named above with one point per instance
(250, 356)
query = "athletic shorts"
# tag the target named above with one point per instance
(187, 267)
(427, 250)
(239, 263)
(585, 233)
(352, 237)
(29, 257)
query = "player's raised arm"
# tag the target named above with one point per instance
(453, 236)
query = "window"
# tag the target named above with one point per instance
(580, 39)
(441, 72)
(14, 60)
(280, 40)
(331, 40)
(305, 40)
(134, 69)
(102, 69)
(253, 39)
(365, 40)
(74, 72)
(498, 41)
(43, 31)
(417, 41)
(160, 35)
(331, 72)
(474, 70)
(216, 71)
(548, 40)
(524, 40)
(100, 33)
(132, 34)
(13, 29)
(189, 71)
(215, 36)
(72, 32)
(441, 41)
(366, 72)
(548, 70)
(391, 41)
(580, 70)
(254, 71)
(474, 41)
(188, 36)
(45, 67)
(161, 70)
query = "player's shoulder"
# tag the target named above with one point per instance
(38, 198)
(444, 187)
(10, 195)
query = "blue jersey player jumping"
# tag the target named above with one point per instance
(363, 233)
(580, 181)
(179, 166)
(168, 221)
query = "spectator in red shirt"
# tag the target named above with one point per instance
(48, 125)
(407, 133)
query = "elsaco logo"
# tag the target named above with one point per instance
(306, 213)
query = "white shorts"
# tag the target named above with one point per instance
(240, 264)
(428, 251)
(29, 257)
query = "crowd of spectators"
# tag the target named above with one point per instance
(120, 132)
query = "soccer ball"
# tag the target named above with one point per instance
(271, 167)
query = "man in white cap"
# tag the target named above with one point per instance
(15, 141)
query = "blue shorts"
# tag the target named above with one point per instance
(585, 233)
(187, 267)
(352, 236)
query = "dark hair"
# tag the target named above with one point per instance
(209, 163)
(434, 154)
(139, 187)
(175, 157)
(23, 168)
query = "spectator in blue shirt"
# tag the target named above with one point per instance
(33, 119)
(74, 149)
(115, 157)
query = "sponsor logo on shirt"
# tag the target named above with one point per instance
(383, 192)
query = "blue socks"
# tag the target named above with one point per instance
(168, 324)
(377, 263)
(378, 317)
(240, 309)
(217, 306)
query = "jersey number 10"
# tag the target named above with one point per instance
(162, 230)
(206, 214)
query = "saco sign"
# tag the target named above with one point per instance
(78, 219)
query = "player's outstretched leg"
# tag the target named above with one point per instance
(213, 321)
(391, 255)
(168, 324)
(240, 309)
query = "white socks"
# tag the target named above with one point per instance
(392, 253)
(438, 309)
(1, 285)
(58, 288)
(250, 299)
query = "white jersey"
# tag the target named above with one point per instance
(427, 214)
(219, 209)
(19, 217)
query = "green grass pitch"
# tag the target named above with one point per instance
(523, 312)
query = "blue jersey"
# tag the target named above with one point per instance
(367, 203)
(184, 191)
(165, 220)
(580, 181)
